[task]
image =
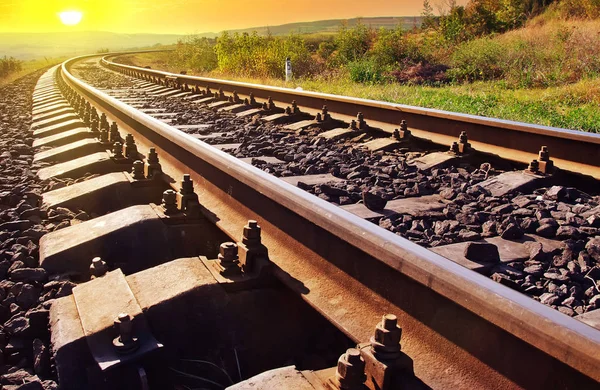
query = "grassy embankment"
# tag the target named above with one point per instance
(26, 67)
(546, 72)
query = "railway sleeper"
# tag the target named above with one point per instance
(251, 314)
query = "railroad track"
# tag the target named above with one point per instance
(313, 276)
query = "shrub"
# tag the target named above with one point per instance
(352, 44)
(256, 56)
(477, 60)
(9, 65)
(195, 53)
(367, 70)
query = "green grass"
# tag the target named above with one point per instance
(30, 67)
(573, 106)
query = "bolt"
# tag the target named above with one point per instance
(152, 156)
(130, 147)
(454, 147)
(152, 164)
(236, 98)
(325, 113)
(271, 105)
(117, 150)
(103, 122)
(319, 117)
(544, 155)
(353, 125)
(288, 110)
(138, 170)
(462, 138)
(403, 125)
(86, 118)
(385, 344)
(98, 268)
(534, 166)
(114, 135)
(94, 126)
(104, 136)
(251, 235)
(396, 134)
(125, 343)
(228, 258)
(350, 373)
(169, 202)
(187, 185)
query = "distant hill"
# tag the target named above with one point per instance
(332, 25)
(37, 45)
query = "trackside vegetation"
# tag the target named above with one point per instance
(529, 60)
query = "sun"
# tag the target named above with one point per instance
(70, 18)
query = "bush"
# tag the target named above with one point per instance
(538, 56)
(195, 53)
(256, 56)
(9, 65)
(367, 71)
(352, 44)
(477, 60)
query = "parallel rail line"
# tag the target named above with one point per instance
(350, 270)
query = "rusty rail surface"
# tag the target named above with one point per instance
(572, 150)
(459, 326)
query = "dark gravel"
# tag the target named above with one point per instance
(26, 291)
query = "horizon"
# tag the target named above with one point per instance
(210, 32)
(185, 17)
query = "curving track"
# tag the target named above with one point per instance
(462, 329)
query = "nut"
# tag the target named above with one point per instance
(385, 343)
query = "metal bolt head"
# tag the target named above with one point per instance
(152, 156)
(454, 147)
(129, 139)
(534, 166)
(187, 185)
(403, 125)
(228, 251)
(463, 139)
(98, 268)
(169, 202)
(138, 170)
(350, 372)
(386, 340)
(252, 231)
(544, 155)
(118, 150)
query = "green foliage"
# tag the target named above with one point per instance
(352, 44)
(429, 19)
(388, 47)
(367, 70)
(195, 53)
(477, 60)
(253, 55)
(9, 65)
(551, 55)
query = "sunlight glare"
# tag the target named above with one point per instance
(70, 18)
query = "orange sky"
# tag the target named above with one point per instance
(188, 16)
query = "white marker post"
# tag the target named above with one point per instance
(288, 69)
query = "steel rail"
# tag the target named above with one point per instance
(351, 271)
(574, 151)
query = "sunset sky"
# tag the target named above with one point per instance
(188, 16)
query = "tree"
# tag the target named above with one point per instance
(428, 15)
